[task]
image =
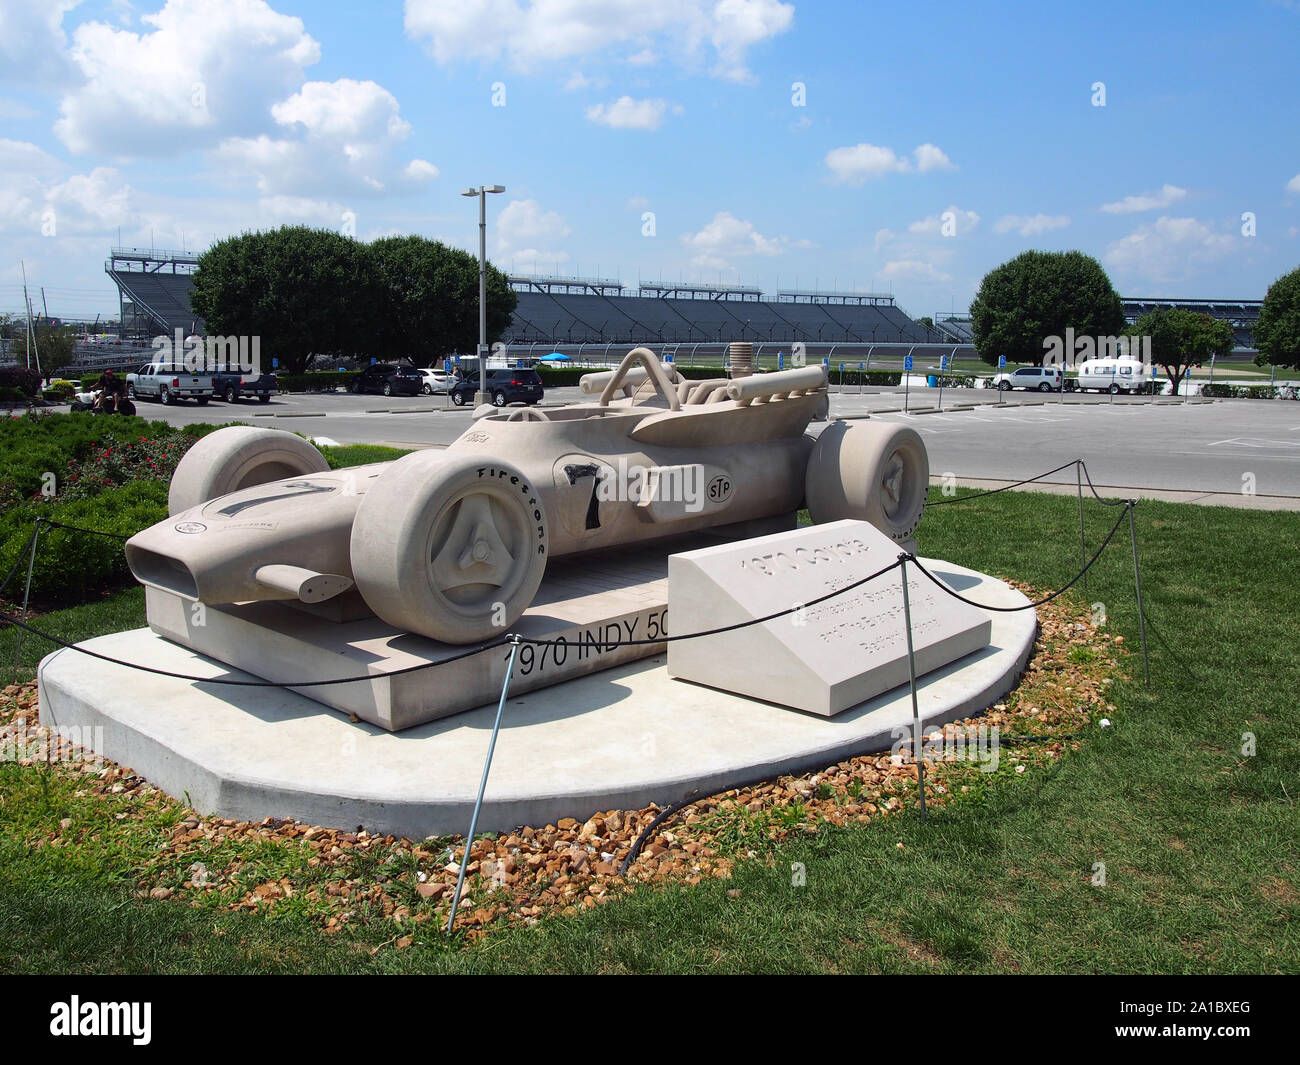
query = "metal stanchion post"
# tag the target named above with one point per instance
(27, 591)
(1137, 583)
(1083, 541)
(906, 387)
(917, 753)
(482, 786)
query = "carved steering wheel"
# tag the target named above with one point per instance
(526, 414)
(654, 372)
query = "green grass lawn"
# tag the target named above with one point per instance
(1198, 839)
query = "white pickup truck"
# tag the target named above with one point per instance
(168, 383)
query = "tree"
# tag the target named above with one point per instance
(303, 291)
(927, 321)
(428, 298)
(1182, 339)
(1277, 333)
(308, 292)
(53, 348)
(1038, 295)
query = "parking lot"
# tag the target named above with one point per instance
(1198, 451)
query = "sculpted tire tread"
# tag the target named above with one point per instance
(452, 547)
(872, 471)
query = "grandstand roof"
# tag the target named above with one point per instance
(558, 283)
(793, 295)
(712, 292)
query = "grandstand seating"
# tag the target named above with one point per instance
(573, 318)
(163, 298)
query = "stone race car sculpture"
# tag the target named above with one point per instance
(452, 543)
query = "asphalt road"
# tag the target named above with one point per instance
(1128, 443)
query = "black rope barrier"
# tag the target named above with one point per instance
(1047, 598)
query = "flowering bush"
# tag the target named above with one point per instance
(122, 461)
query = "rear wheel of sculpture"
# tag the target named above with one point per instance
(871, 471)
(452, 547)
(236, 457)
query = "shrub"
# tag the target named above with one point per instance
(72, 565)
(27, 382)
(1221, 391)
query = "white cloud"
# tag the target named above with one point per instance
(1148, 201)
(342, 109)
(1169, 249)
(913, 270)
(727, 237)
(962, 222)
(930, 157)
(1030, 225)
(37, 191)
(627, 113)
(1294, 185)
(528, 34)
(341, 139)
(578, 80)
(33, 44)
(206, 69)
(527, 233)
(852, 165)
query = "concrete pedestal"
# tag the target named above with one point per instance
(617, 739)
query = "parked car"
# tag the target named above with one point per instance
(389, 380)
(503, 387)
(168, 384)
(436, 381)
(233, 386)
(1042, 378)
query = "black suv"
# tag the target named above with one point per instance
(503, 386)
(389, 379)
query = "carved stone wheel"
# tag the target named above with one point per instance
(872, 471)
(452, 547)
(236, 457)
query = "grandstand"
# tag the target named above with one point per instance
(154, 290)
(1241, 314)
(569, 311)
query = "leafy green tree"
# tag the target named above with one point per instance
(927, 321)
(312, 292)
(1182, 339)
(303, 291)
(53, 348)
(1039, 294)
(428, 299)
(1277, 333)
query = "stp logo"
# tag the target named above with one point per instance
(719, 489)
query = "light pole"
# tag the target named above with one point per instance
(481, 192)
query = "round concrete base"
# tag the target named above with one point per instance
(620, 739)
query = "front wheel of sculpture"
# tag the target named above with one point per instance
(236, 457)
(451, 547)
(871, 471)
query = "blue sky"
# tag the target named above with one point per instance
(928, 144)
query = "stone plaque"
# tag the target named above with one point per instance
(823, 658)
